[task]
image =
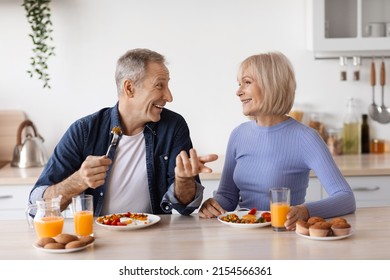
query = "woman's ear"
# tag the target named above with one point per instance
(128, 88)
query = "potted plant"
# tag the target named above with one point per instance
(38, 15)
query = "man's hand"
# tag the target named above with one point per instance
(185, 171)
(93, 170)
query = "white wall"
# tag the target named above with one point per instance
(204, 42)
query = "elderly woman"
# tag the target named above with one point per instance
(274, 150)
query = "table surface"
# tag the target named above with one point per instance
(177, 237)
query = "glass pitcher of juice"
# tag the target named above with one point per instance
(48, 220)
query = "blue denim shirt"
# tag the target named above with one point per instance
(91, 135)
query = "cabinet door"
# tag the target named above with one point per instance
(13, 201)
(314, 191)
(340, 28)
(370, 191)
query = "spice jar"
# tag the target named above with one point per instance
(335, 142)
(316, 123)
(377, 146)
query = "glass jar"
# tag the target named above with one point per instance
(377, 146)
(335, 142)
(316, 123)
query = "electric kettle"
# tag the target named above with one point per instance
(30, 153)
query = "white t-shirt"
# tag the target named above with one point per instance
(128, 189)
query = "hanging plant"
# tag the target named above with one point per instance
(38, 16)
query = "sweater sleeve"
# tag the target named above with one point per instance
(340, 200)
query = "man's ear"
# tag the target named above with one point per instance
(128, 88)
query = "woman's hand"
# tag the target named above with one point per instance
(210, 209)
(296, 213)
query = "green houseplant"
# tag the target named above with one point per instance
(38, 15)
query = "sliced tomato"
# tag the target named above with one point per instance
(266, 216)
(252, 211)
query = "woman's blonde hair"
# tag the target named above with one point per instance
(276, 79)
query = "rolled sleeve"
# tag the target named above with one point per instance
(170, 202)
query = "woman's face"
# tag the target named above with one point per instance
(250, 94)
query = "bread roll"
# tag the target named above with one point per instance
(87, 239)
(74, 244)
(54, 246)
(65, 238)
(45, 240)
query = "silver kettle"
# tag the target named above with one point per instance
(30, 153)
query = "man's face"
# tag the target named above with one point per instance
(153, 92)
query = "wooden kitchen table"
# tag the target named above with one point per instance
(177, 237)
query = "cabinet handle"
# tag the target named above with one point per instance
(6, 196)
(366, 189)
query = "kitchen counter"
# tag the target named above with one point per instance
(19, 176)
(179, 237)
(350, 165)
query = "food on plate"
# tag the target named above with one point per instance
(266, 216)
(320, 229)
(64, 241)
(337, 220)
(74, 244)
(314, 219)
(54, 246)
(124, 219)
(302, 227)
(45, 240)
(341, 228)
(65, 238)
(248, 218)
(87, 239)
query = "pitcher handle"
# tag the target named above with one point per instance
(30, 218)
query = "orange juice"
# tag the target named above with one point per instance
(83, 223)
(279, 212)
(50, 226)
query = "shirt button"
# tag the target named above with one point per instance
(166, 157)
(101, 194)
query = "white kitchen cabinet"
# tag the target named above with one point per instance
(339, 27)
(13, 201)
(370, 191)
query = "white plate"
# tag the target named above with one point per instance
(152, 220)
(327, 238)
(61, 251)
(240, 214)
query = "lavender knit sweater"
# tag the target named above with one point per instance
(259, 158)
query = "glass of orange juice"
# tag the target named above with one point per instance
(82, 208)
(280, 205)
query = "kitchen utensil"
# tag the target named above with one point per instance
(373, 109)
(47, 221)
(30, 153)
(384, 115)
(117, 132)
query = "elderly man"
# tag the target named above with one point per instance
(153, 168)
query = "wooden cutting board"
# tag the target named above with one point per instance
(9, 123)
